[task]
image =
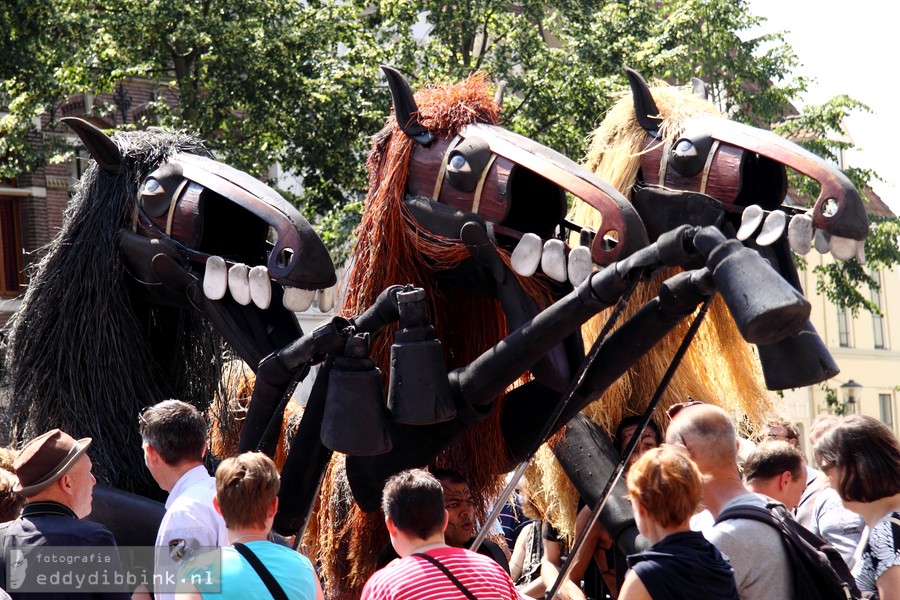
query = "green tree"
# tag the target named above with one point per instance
(563, 65)
(845, 284)
(34, 49)
(263, 81)
(563, 61)
(296, 83)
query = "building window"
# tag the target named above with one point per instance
(877, 320)
(843, 328)
(887, 409)
(10, 247)
(75, 169)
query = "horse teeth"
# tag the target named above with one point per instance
(750, 221)
(553, 260)
(239, 283)
(800, 233)
(297, 300)
(527, 255)
(260, 287)
(772, 228)
(325, 299)
(843, 248)
(215, 278)
(822, 241)
(580, 265)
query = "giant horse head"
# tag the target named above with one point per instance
(164, 253)
(679, 161)
(442, 163)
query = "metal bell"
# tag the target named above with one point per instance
(765, 307)
(797, 361)
(354, 420)
(419, 391)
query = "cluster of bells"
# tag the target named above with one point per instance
(356, 416)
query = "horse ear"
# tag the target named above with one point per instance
(405, 108)
(101, 147)
(699, 88)
(645, 110)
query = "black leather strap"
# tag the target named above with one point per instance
(449, 575)
(274, 588)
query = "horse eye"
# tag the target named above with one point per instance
(153, 198)
(458, 162)
(467, 164)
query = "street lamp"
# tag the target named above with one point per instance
(850, 393)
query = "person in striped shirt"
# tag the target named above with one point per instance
(428, 568)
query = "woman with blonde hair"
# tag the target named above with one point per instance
(254, 566)
(664, 487)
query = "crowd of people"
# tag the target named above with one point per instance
(684, 483)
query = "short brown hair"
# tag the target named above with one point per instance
(771, 459)
(414, 501)
(666, 482)
(11, 503)
(866, 455)
(175, 429)
(246, 486)
(790, 429)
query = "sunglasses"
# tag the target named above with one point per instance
(141, 420)
(673, 410)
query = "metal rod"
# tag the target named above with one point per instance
(629, 449)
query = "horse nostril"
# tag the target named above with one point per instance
(285, 258)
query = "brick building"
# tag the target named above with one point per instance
(32, 204)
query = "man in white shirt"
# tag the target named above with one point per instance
(174, 435)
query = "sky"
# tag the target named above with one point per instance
(849, 48)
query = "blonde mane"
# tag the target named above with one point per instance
(719, 367)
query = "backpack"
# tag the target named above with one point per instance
(819, 571)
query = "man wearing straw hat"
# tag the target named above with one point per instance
(55, 479)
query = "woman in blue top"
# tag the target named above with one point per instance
(247, 497)
(664, 488)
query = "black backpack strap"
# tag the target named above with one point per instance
(753, 513)
(274, 588)
(449, 575)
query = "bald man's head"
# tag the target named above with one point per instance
(708, 434)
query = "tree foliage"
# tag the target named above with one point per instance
(297, 83)
(263, 81)
(820, 129)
